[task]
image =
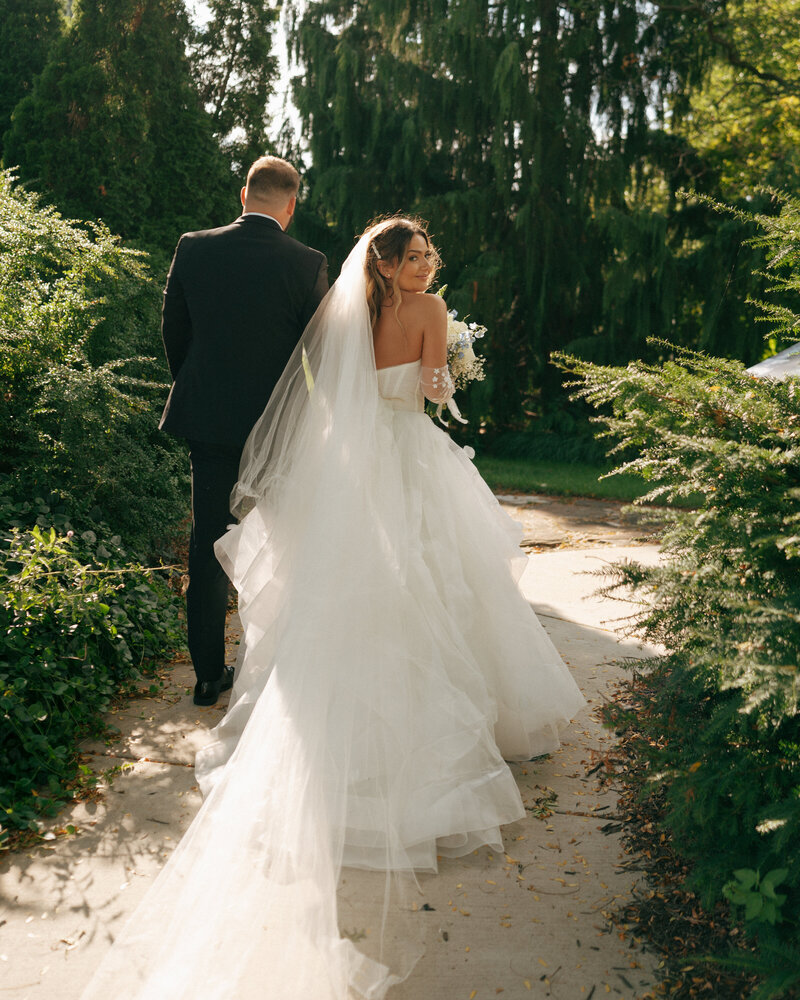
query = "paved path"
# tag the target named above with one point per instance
(529, 923)
(578, 522)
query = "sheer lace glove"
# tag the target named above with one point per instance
(437, 384)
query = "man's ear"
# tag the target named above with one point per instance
(241, 196)
(291, 205)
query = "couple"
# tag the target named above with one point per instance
(389, 663)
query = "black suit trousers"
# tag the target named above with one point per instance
(215, 469)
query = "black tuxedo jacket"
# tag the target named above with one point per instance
(236, 303)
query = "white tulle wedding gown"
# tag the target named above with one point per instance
(389, 664)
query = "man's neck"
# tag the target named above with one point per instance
(264, 215)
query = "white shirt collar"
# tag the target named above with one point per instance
(264, 216)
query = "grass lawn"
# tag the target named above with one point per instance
(515, 475)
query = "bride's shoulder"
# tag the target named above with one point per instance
(429, 306)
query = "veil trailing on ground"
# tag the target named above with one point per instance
(253, 902)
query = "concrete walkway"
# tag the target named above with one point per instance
(529, 923)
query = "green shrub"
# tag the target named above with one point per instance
(83, 385)
(80, 622)
(723, 731)
(83, 375)
(721, 737)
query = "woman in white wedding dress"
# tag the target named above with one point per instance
(389, 665)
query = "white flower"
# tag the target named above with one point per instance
(465, 366)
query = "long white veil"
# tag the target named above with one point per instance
(247, 905)
(328, 388)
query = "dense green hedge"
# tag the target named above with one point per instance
(80, 623)
(90, 492)
(726, 602)
(83, 374)
(721, 738)
(722, 735)
(723, 731)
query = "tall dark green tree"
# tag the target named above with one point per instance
(115, 129)
(534, 137)
(235, 69)
(27, 30)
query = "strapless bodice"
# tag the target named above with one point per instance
(399, 386)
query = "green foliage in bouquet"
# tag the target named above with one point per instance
(722, 735)
(80, 623)
(82, 373)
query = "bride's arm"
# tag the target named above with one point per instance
(435, 380)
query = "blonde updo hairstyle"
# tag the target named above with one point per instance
(389, 240)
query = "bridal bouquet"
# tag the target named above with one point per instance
(465, 366)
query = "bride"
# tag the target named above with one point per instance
(389, 666)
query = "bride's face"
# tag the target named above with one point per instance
(414, 273)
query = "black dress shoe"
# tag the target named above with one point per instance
(207, 692)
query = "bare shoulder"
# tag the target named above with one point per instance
(434, 305)
(429, 310)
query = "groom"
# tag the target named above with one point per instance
(236, 303)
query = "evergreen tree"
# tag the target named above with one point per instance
(27, 30)
(744, 118)
(115, 129)
(235, 68)
(522, 131)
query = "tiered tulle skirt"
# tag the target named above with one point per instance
(389, 664)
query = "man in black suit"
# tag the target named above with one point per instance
(236, 303)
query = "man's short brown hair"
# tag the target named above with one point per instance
(272, 179)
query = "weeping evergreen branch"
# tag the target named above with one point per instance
(523, 133)
(778, 233)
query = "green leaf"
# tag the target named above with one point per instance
(772, 879)
(746, 877)
(753, 906)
